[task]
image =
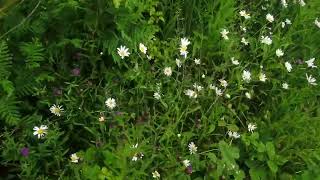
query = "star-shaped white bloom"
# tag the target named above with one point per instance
(244, 41)
(311, 80)
(197, 61)
(246, 76)
(123, 52)
(143, 48)
(197, 87)
(56, 110)
(191, 93)
(111, 103)
(269, 17)
(284, 3)
(192, 148)
(288, 21)
(186, 163)
(251, 127)
(74, 158)
(233, 134)
(157, 95)
(266, 40)
(184, 42)
(279, 53)
(224, 33)
(310, 63)
(167, 71)
(288, 66)
(178, 63)
(285, 85)
(234, 61)
(262, 77)
(302, 3)
(244, 14)
(223, 83)
(40, 131)
(156, 175)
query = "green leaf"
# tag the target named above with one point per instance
(229, 153)
(270, 150)
(273, 166)
(7, 86)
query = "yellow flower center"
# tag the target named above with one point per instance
(40, 131)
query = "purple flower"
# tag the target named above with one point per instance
(24, 151)
(188, 170)
(75, 72)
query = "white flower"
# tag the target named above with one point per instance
(74, 158)
(224, 33)
(233, 134)
(246, 76)
(283, 24)
(244, 29)
(311, 80)
(310, 63)
(288, 21)
(56, 110)
(178, 62)
(234, 61)
(197, 87)
(262, 77)
(269, 17)
(244, 14)
(284, 3)
(183, 47)
(244, 41)
(101, 119)
(179, 135)
(123, 52)
(111, 103)
(218, 91)
(157, 95)
(186, 163)
(251, 127)
(288, 66)
(228, 96)
(135, 146)
(302, 3)
(191, 93)
(212, 87)
(184, 42)
(266, 40)
(223, 83)
(285, 86)
(197, 61)
(155, 175)
(143, 48)
(134, 158)
(167, 71)
(279, 52)
(203, 75)
(248, 95)
(192, 148)
(317, 23)
(40, 131)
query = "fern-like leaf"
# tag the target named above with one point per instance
(33, 52)
(9, 110)
(5, 61)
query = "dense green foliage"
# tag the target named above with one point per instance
(63, 54)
